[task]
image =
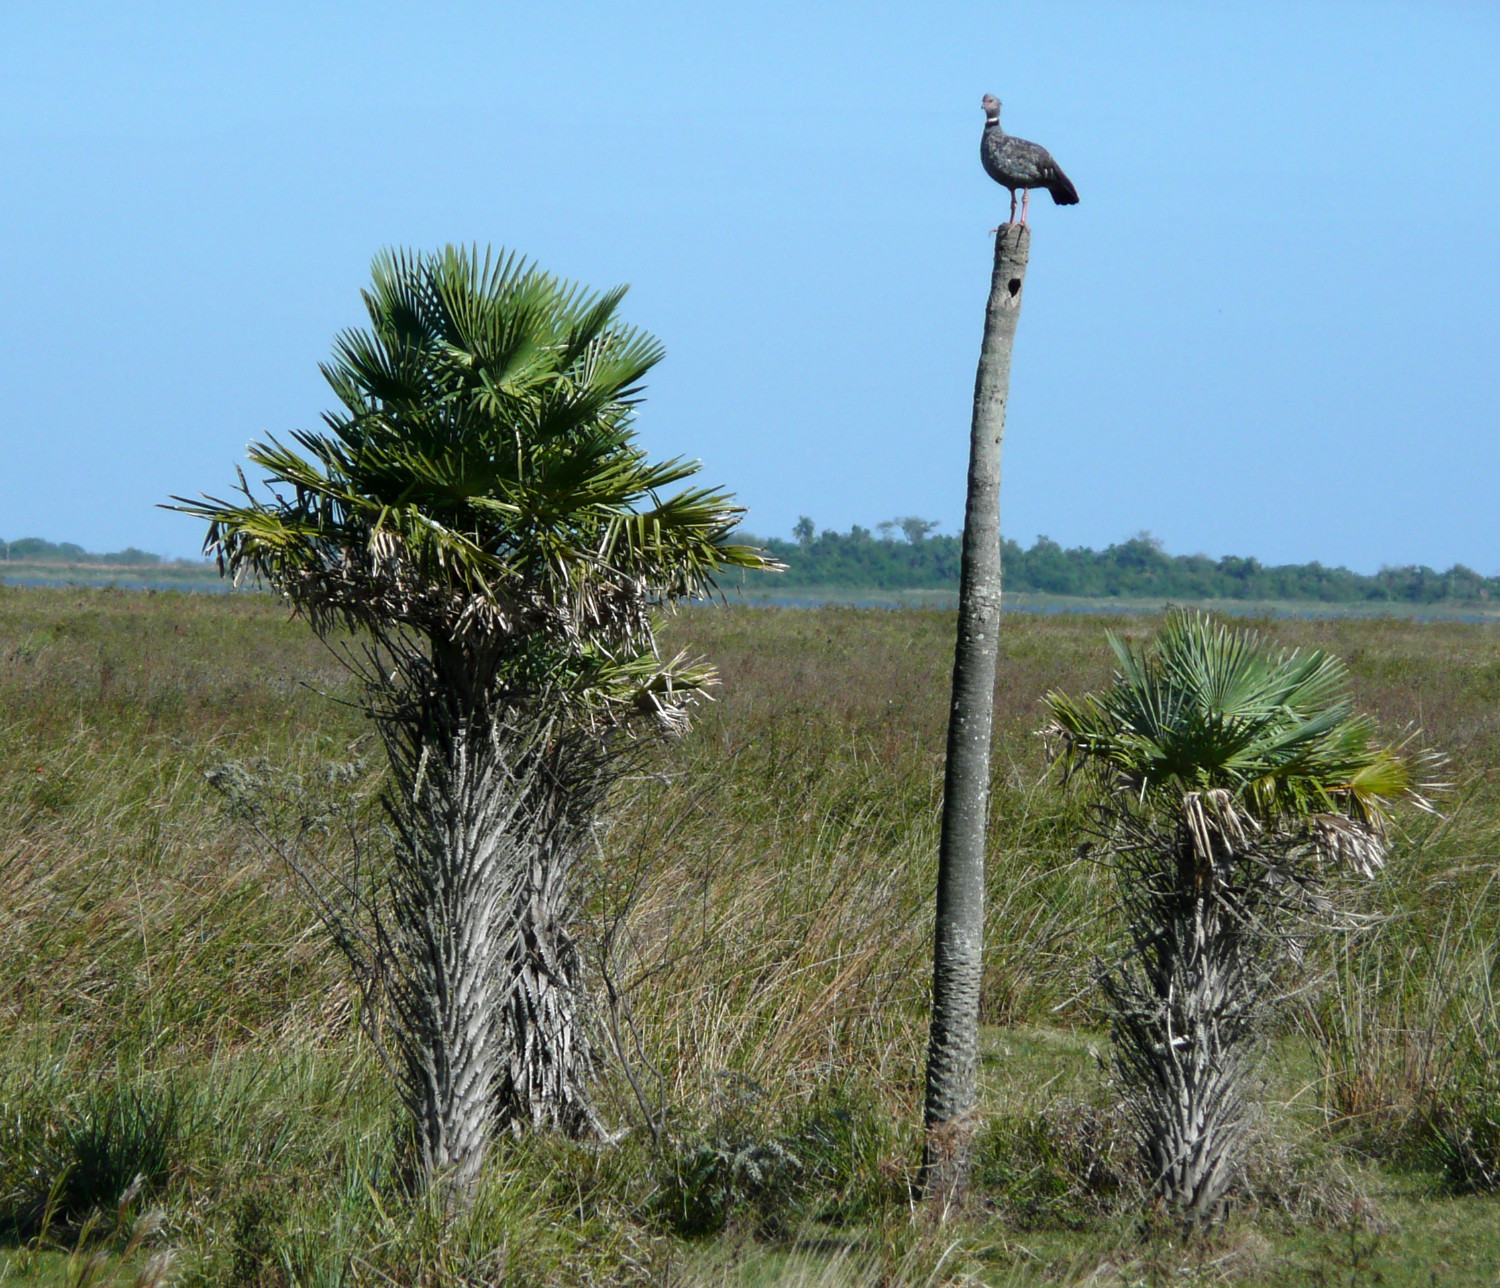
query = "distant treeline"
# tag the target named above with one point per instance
(35, 550)
(1137, 568)
(903, 554)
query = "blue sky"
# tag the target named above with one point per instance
(1269, 328)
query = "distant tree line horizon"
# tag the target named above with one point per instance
(38, 550)
(904, 554)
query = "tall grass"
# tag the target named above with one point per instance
(1408, 1026)
(758, 926)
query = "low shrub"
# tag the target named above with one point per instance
(1462, 1126)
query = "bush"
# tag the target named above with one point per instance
(1463, 1127)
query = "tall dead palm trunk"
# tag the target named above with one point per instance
(958, 942)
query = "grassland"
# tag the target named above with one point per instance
(172, 1010)
(187, 576)
(175, 574)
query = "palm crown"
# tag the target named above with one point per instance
(1205, 712)
(480, 481)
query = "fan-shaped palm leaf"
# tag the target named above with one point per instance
(1206, 708)
(484, 445)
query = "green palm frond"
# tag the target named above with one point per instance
(1206, 709)
(481, 471)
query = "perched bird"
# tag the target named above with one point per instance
(1014, 163)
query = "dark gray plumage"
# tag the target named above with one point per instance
(1014, 163)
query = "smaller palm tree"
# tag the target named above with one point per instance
(1232, 782)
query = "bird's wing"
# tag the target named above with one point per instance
(1043, 172)
(1030, 162)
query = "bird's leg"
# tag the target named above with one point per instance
(1025, 202)
(1012, 206)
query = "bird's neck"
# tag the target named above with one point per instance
(992, 123)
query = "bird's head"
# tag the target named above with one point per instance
(991, 106)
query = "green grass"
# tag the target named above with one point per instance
(173, 1011)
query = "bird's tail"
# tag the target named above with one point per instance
(1062, 190)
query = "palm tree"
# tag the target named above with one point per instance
(1231, 782)
(477, 510)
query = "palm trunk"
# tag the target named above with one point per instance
(450, 930)
(953, 1046)
(549, 1058)
(1187, 1006)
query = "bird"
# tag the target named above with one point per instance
(1014, 163)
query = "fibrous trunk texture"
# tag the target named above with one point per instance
(446, 932)
(459, 935)
(491, 810)
(549, 1059)
(1186, 1009)
(953, 1046)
